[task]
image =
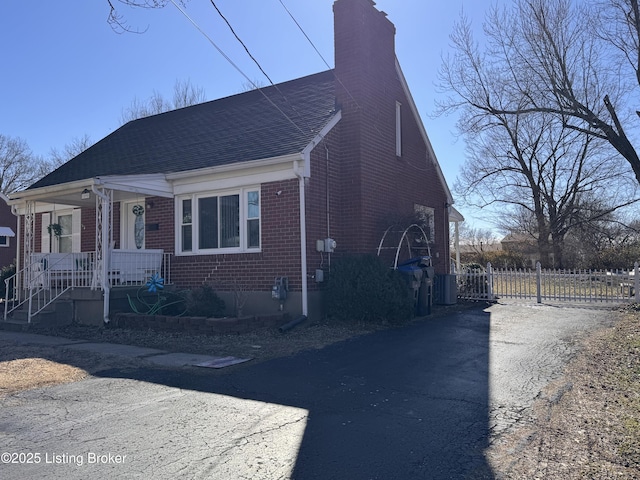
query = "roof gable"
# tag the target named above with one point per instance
(270, 122)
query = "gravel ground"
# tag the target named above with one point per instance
(586, 424)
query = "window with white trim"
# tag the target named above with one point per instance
(221, 222)
(4, 241)
(398, 129)
(69, 222)
(425, 218)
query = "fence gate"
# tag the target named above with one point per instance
(605, 286)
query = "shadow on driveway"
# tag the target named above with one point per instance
(404, 403)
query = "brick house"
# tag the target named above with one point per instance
(242, 192)
(8, 227)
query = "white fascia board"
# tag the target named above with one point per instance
(423, 131)
(151, 185)
(232, 167)
(306, 153)
(236, 175)
(455, 215)
(44, 192)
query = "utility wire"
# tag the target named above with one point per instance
(258, 64)
(226, 57)
(318, 52)
(305, 34)
(241, 42)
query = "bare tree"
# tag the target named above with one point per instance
(184, 95)
(117, 20)
(477, 239)
(523, 161)
(19, 167)
(578, 61)
(70, 150)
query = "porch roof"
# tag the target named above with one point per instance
(81, 193)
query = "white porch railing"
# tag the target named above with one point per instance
(49, 275)
(612, 286)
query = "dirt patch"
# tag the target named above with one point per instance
(23, 367)
(586, 424)
(259, 345)
(41, 372)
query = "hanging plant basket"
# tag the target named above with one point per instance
(55, 229)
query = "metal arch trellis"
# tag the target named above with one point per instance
(404, 237)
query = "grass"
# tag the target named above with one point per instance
(553, 285)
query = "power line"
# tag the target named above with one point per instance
(305, 34)
(258, 64)
(318, 52)
(241, 42)
(228, 59)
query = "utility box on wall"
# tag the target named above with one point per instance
(327, 245)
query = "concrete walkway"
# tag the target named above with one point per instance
(153, 355)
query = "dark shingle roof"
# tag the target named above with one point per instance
(234, 129)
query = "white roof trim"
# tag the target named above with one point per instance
(455, 215)
(317, 139)
(233, 167)
(423, 131)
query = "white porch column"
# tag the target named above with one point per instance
(28, 241)
(104, 244)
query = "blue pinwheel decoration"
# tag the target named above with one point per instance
(155, 283)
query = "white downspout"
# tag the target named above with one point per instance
(106, 253)
(457, 241)
(303, 239)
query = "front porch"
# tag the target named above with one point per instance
(86, 234)
(48, 277)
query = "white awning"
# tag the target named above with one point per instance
(6, 232)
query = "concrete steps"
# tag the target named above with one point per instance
(58, 313)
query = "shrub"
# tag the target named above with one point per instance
(362, 288)
(204, 302)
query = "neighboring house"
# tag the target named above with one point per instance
(8, 227)
(242, 192)
(522, 244)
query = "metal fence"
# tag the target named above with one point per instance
(613, 286)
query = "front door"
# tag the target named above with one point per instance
(133, 225)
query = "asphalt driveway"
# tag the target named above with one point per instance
(422, 401)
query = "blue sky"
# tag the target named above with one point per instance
(65, 73)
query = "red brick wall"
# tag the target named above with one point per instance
(8, 219)
(279, 256)
(377, 187)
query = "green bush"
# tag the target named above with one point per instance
(204, 302)
(362, 288)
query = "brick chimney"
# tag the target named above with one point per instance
(364, 50)
(367, 88)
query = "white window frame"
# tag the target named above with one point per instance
(398, 129)
(4, 243)
(427, 215)
(52, 217)
(195, 222)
